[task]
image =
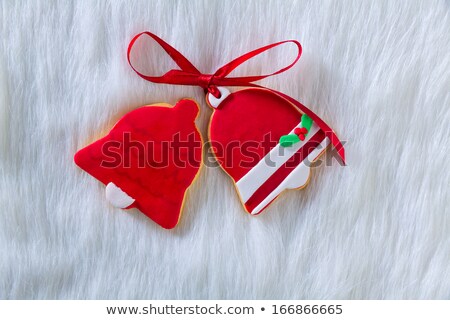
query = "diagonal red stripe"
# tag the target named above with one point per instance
(278, 176)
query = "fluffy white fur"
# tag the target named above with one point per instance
(377, 71)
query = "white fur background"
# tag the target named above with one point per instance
(377, 71)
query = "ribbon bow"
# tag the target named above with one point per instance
(188, 74)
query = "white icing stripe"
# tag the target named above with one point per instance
(296, 179)
(267, 166)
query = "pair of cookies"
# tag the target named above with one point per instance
(152, 155)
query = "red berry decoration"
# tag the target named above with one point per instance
(301, 133)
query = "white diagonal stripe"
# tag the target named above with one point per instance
(267, 166)
(296, 179)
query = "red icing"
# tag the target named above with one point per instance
(157, 180)
(247, 116)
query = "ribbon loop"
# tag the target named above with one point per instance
(188, 74)
(229, 67)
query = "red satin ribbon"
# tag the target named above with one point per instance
(188, 74)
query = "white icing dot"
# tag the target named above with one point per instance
(117, 197)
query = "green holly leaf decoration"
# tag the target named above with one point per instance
(289, 140)
(306, 122)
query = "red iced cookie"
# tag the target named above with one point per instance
(245, 131)
(148, 160)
